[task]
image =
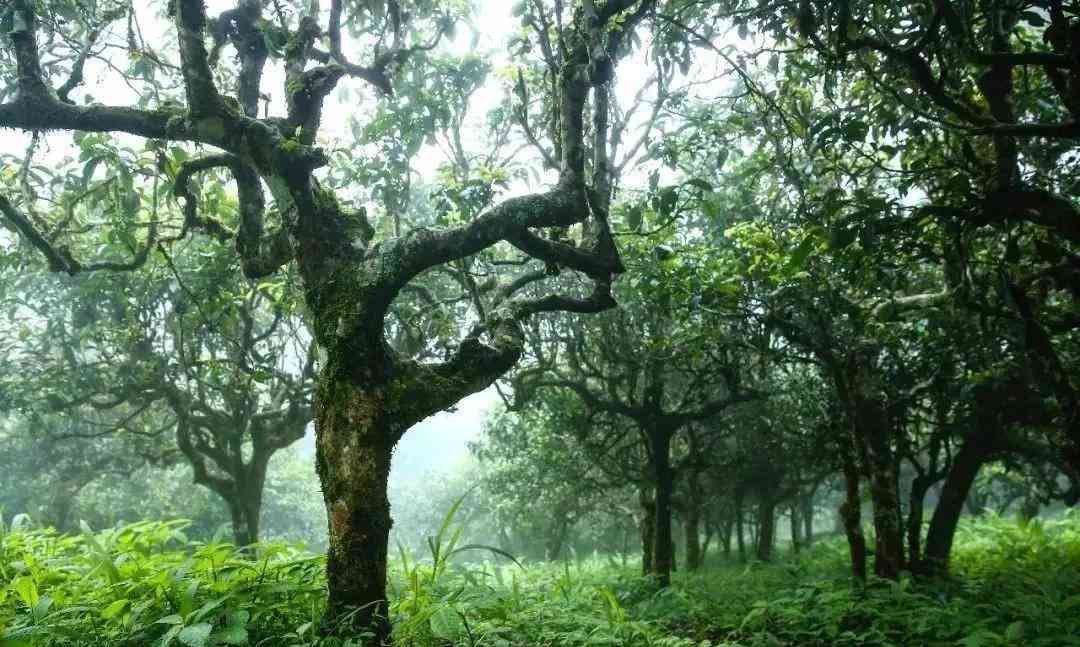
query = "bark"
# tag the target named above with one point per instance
(726, 533)
(648, 533)
(663, 548)
(807, 504)
(796, 540)
(919, 487)
(555, 539)
(692, 524)
(710, 534)
(872, 430)
(939, 537)
(740, 537)
(354, 442)
(850, 514)
(766, 529)
(691, 527)
(244, 514)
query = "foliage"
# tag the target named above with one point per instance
(148, 584)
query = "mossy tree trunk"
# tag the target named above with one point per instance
(354, 444)
(664, 475)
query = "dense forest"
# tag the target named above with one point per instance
(769, 310)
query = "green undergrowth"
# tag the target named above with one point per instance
(147, 584)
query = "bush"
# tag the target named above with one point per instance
(149, 584)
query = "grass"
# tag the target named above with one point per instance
(148, 584)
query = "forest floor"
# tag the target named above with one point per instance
(147, 585)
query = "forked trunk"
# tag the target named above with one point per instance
(871, 427)
(354, 442)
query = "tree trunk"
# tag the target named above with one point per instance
(850, 513)
(1029, 509)
(710, 534)
(245, 506)
(796, 543)
(691, 527)
(648, 533)
(726, 531)
(807, 504)
(871, 427)
(244, 514)
(919, 488)
(663, 548)
(766, 528)
(740, 539)
(354, 442)
(950, 505)
(555, 539)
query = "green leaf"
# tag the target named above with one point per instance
(26, 589)
(446, 623)
(196, 635)
(799, 256)
(1015, 631)
(115, 609)
(231, 635)
(857, 130)
(174, 619)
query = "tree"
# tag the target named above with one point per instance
(656, 363)
(182, 348)
(367, 396)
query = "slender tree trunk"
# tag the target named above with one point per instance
(726, 531)
(691, 527)
(807, 504)
(796, 543)
(710, 534)
(648, 533)
(950, 505)
(871, 427)
(850, 513)
(354, 442)
(692, 523)
(740, 539)
(919, 487)
(664, 547)
(766, 528)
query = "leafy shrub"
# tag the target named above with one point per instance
(149, 584)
